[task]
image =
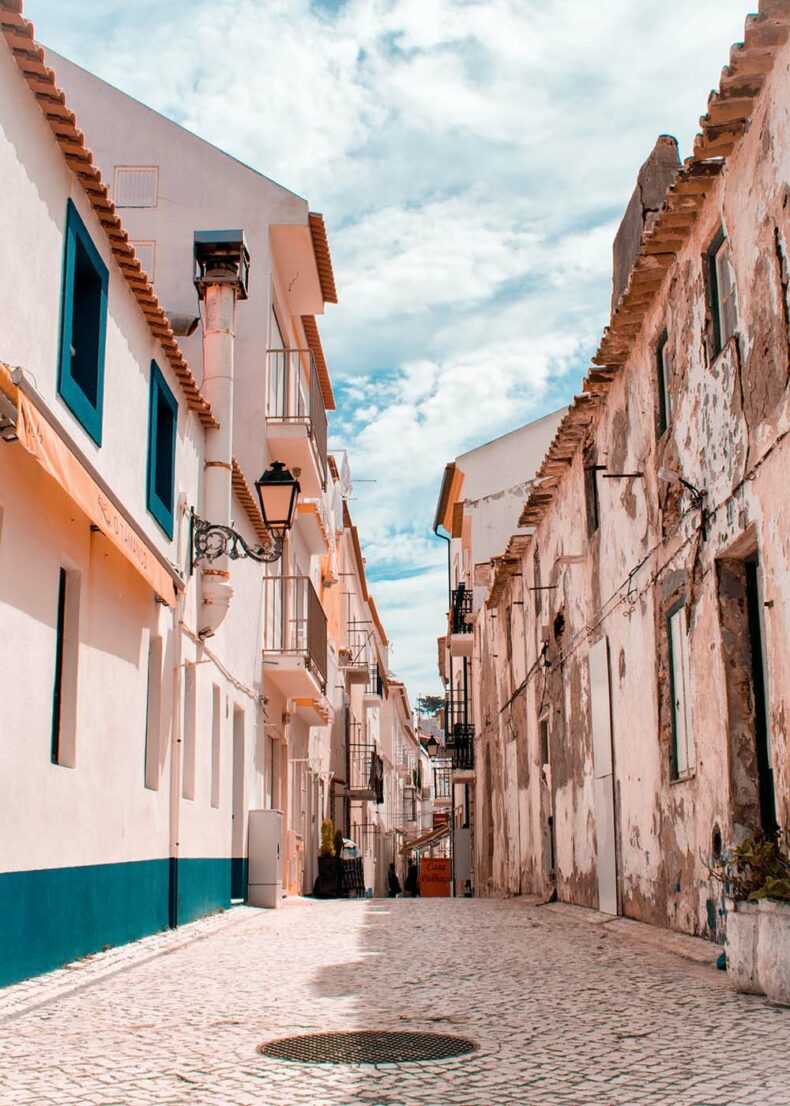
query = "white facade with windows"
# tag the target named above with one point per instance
(134, 742)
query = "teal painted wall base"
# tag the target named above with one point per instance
(203, 887)
(238, 877)
(50, 916)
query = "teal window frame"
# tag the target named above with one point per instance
(83, 296)
(161, 402)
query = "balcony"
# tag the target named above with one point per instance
(365, 768)
(356, 663)
(460, 619)
(294, 637)
(461, 748)
(442, 780)
(296, 426)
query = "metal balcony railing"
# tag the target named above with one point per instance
(361, 763)
(443, 778)
(461, 608)
(461, 748)
(456, 713)
(293, 395)
(375, 683)
(294, 621)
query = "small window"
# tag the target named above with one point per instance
(683, 753)
(153, 714)
(162, 425)
(721, 282)
(136, 185)
(537, 581)
(64, 692)
(591, 499)
(146, 255)
(545, 755)
(83, 326)
(664, 374)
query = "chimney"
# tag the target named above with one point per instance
(652, 184)
(222, 265)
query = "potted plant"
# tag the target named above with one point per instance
(326, 883)
(756, 879)
(773, 925)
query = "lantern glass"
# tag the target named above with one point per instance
(277, 491)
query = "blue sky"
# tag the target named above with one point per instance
(472, 159)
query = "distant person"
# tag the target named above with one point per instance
(393, 883)
(412, 885)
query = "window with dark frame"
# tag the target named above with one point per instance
(591, 498)
(83, 326)
(65, 682)
(57, 691)
(162, 426)
(683, 747)
(664, 375)
(721, 292)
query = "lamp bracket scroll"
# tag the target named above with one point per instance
(211, 540)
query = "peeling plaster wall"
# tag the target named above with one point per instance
(729, 417)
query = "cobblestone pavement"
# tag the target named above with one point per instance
(566, 1009)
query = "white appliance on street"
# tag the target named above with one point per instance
(265, 867)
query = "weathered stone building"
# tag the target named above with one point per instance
(631, 666)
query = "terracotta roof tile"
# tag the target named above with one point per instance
(323, 258)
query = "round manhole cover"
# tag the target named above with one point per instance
(364, 1047)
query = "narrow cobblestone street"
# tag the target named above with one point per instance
(566, 1008)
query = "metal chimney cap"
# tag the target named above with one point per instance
(221, 257)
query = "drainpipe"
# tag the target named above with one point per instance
(221, 279)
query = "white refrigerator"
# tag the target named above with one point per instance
(265, 867)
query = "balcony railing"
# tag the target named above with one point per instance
(294, 621)
(456, 713)
(443, 778)
(375, 682)
(365, 769)
(461, 608)
(293, 395)
(461, 748)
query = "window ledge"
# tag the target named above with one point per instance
(685, 777)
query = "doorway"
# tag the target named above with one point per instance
(752, 793)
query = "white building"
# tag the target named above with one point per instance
(139, 723)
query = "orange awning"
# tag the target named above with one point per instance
(43, 442)
(425, 840)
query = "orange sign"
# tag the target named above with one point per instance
(435, 876)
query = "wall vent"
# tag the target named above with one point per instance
(136, 186)
(146, 255)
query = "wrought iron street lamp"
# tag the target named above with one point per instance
(432, 747)
(278, 490)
